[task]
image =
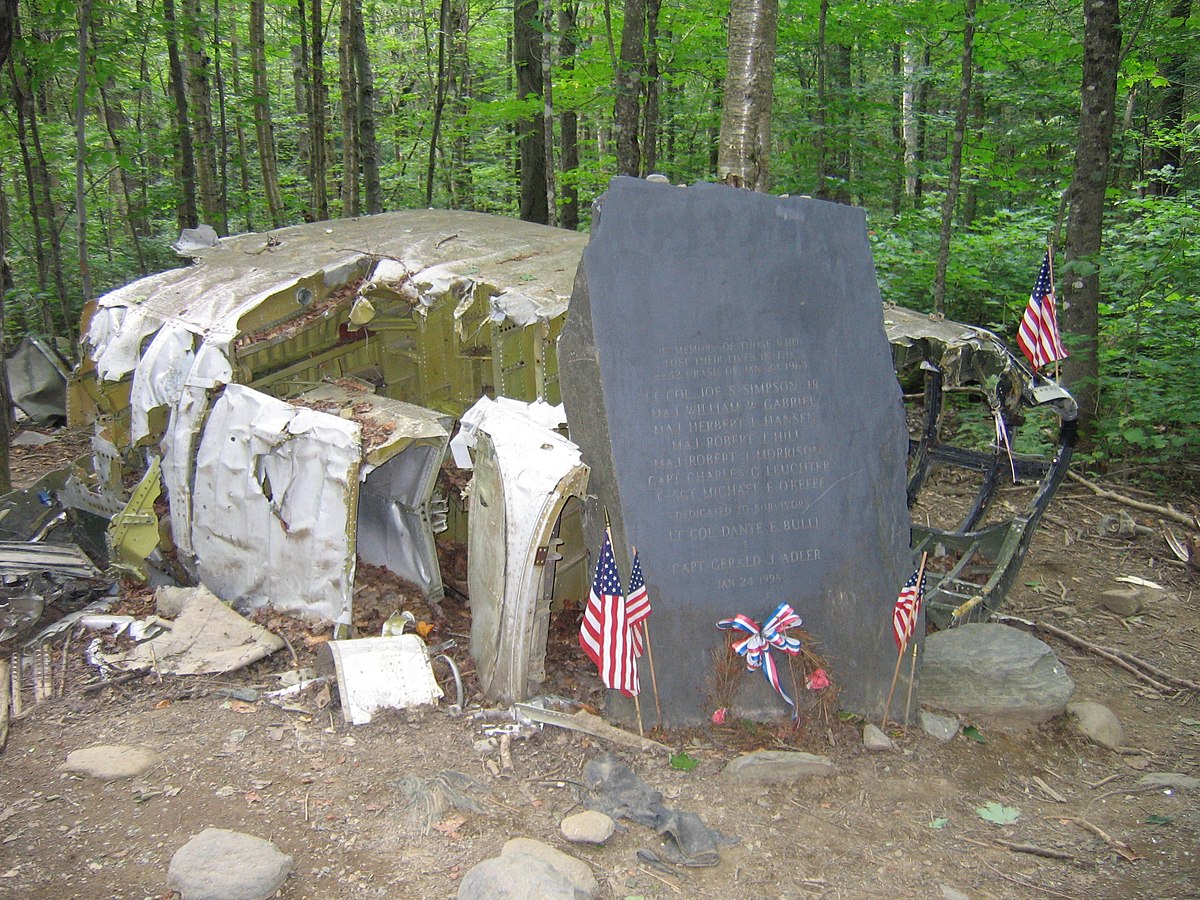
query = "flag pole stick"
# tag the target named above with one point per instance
(653, 674)
(637, 705)
(892, 690)
(912, 676)
(1050, 258)
(900, 656)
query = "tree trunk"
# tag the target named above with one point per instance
(568, 121)
(459, 76)
(235, 69)
(1085, 203)
(745, 140)
(302, 87)
(1169, 164)
(368, 142)
(200, 113)
(222, 121)
(318, 102)
(8, 21)
(349, 88)
(263, 129)
(956, 148)
(81, 221)
(650, 118)
(439, 99)
(6, 285)
(24, 107)
(627, 108)
(527, 51)
(548, 112)
(187, 214)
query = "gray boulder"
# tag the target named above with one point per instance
(996, 673)
(529, 870)
(218, 864)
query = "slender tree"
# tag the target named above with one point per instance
(187, 214)
(531, 148)
(1085, 205)
(956, 152)
(627, 107)
(263, 129)
(81, 86)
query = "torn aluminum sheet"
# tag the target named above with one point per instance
(205, 638)
(380, 673)
(273, 492)
(37, 380)
(524, 475)
(403, 449)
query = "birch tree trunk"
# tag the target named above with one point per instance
(744, 144)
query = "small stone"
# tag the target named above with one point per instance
(589, 827)
(949, 893)
(110, 762)
(944, 728)
(772, 766)
(218, 864)
(1170, 780)
(1098, 723)
(875, 739)
(1124, 603)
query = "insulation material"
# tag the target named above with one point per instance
(274, 488)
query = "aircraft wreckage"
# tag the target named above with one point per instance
(295, 394)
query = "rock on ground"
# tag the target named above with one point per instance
(778, 765)
(944, 728)
(875, 739)
(996, 673)
(218, 864)
(529, 870)
(588, 827)
(1097, 722)
(110, 762)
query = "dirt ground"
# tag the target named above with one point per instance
(339, 799)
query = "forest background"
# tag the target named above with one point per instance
(962, 127)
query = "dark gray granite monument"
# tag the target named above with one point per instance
(726, 374)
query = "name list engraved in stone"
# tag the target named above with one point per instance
(737, 470)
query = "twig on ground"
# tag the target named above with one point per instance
(1050, 792)
(1135, 666)
(1122, 848)
(1154, 508)
(1028, 884)
(1035, 851)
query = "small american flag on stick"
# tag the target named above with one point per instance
(908, 607)
(1038, 335)
(605, 635)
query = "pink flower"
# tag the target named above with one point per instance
(817, 681)
(719, 716)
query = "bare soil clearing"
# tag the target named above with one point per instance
(339, 799)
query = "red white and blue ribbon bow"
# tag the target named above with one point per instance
(755, 649)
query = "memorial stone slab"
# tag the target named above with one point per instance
(726, 373)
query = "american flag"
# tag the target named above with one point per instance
(1038, 335)
(604, 635)
(637, 604)
(908, 607)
